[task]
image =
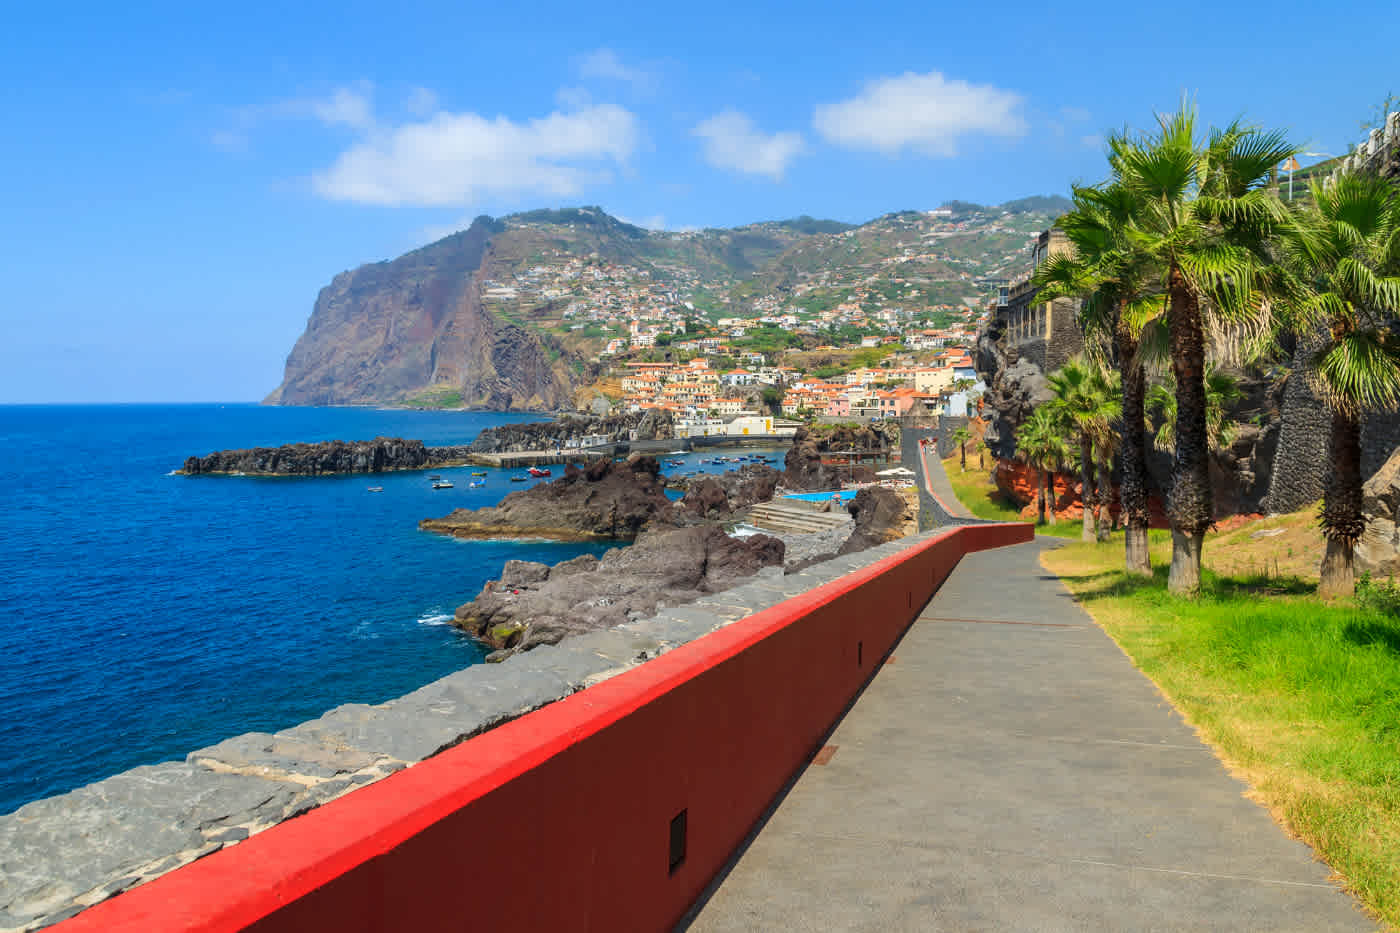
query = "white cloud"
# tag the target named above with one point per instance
(731, 141)
(605, 65)
(455, 158)
(926, 113)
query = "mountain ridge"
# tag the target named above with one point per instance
(464, 321)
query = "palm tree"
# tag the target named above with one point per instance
(961, 436)
(1222, 389)
(1204, 213)
(1041, 440)
(1344, 249)
(1118, 284)
(1084, 397)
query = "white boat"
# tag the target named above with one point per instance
(442, 484)
(376, 489)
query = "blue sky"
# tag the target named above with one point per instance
(179, 180)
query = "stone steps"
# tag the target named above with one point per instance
(795, 519)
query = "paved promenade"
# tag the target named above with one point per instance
(1009, 769)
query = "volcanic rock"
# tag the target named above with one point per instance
(605, 501)
(730, 491)
(803, 464)
(1015, 386)
(327, 457)
(569, 430)
(389, 331)
(665, 567)
(880, 515)
(1378, 551)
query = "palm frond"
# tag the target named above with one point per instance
(1358, 371)
(1062, 276)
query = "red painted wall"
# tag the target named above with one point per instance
(560, 820)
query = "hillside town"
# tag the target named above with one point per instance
(861, 324)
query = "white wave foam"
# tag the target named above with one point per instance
(435, 618)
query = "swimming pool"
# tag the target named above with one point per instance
(845, 495)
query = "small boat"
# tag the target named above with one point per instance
(537, 472)
(443, 484)
(478, 473)
(675, 462)
(519, 479)
(434, 476)
(476, 483)
(376, 489)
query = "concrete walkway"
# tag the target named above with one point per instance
(1009, 769)
(936, 480)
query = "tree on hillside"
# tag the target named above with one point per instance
(961, 436)
(773, 398)
(1344, 250)
(1084, 398)
(1041, 441)
(1117, 281)
(1204, 213)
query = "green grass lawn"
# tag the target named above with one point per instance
(1300, 698)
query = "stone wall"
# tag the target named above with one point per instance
(1300, 468)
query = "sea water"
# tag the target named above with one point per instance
(144, 615)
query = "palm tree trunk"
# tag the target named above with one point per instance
(1040, 500)
(1133, 456)
(1105, 509)
(1342, 518)
(1050, 497)
(962, 449)
(1189, 505)
(1086, 494)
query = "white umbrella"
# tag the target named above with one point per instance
(896, 471)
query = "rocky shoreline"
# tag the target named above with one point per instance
(605, 501)
(572, 430)
(326, 458)
(681, 551)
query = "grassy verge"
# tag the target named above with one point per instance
(974, 489)
(1300, 698)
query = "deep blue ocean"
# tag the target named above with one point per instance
(146, 615)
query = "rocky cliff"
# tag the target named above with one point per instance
(389, 331)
